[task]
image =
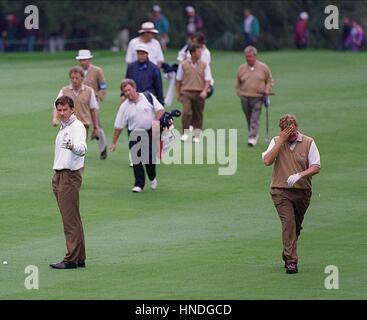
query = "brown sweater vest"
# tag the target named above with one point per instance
(81, 103)
(194, 77)
(289, 162)
(93, 78)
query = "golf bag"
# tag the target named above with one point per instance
(166, 127)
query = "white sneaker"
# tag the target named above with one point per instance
(184, 137)
(196, 140)
(252, 142)
(131, 165)
(154, 184)
(137, 189)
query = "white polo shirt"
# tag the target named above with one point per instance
(70, 159)
(138, 115)
(155, 53)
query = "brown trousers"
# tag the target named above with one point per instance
(192, 111)
(66, 186)
(291, 205)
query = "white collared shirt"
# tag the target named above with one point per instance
(138, 115)
(313, 154)
(70, 159)
(155, 53)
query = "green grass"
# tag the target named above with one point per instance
(200, 235)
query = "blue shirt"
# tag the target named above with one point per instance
(147, 77)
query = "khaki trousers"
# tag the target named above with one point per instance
(192, 111)
(251, 107)
(291, 205)
(66, 186)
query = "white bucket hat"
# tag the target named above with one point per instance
(142, 47)
(84, 54)
(148, 27)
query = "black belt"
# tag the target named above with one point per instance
(62, 170)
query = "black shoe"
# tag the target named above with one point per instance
(291, 268)
(81, 264)
(103, 154)
(63, 265)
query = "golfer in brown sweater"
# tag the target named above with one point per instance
(296, 159)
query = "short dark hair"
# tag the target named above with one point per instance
(199, 36)
(64, 100)
(194, 47)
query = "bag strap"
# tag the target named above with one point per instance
(149, 97)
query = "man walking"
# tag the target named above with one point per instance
(296, 159)
(138, 114)
(161, 23)
(146, 36)
(250, 28)
(70, 149)
(94, 78)
(192, 84)
(253, 82)
(84, 100)
(145, 73)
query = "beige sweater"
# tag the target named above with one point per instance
(250, 82)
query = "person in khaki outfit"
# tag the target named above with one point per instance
(296, 159)
(192, 84)
(70, 149)
(94, 78)
(84, 100)
(253, 82)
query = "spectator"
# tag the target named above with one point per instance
(56, 42)
(161, 23)
(356, 39)
(194, 23)
(347, 27)
(11, 31)
(301, 31)
(250, 28)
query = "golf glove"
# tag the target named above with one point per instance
(67, 145)
(292, 179)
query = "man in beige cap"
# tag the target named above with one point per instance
(94, 78)
(146, 36)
